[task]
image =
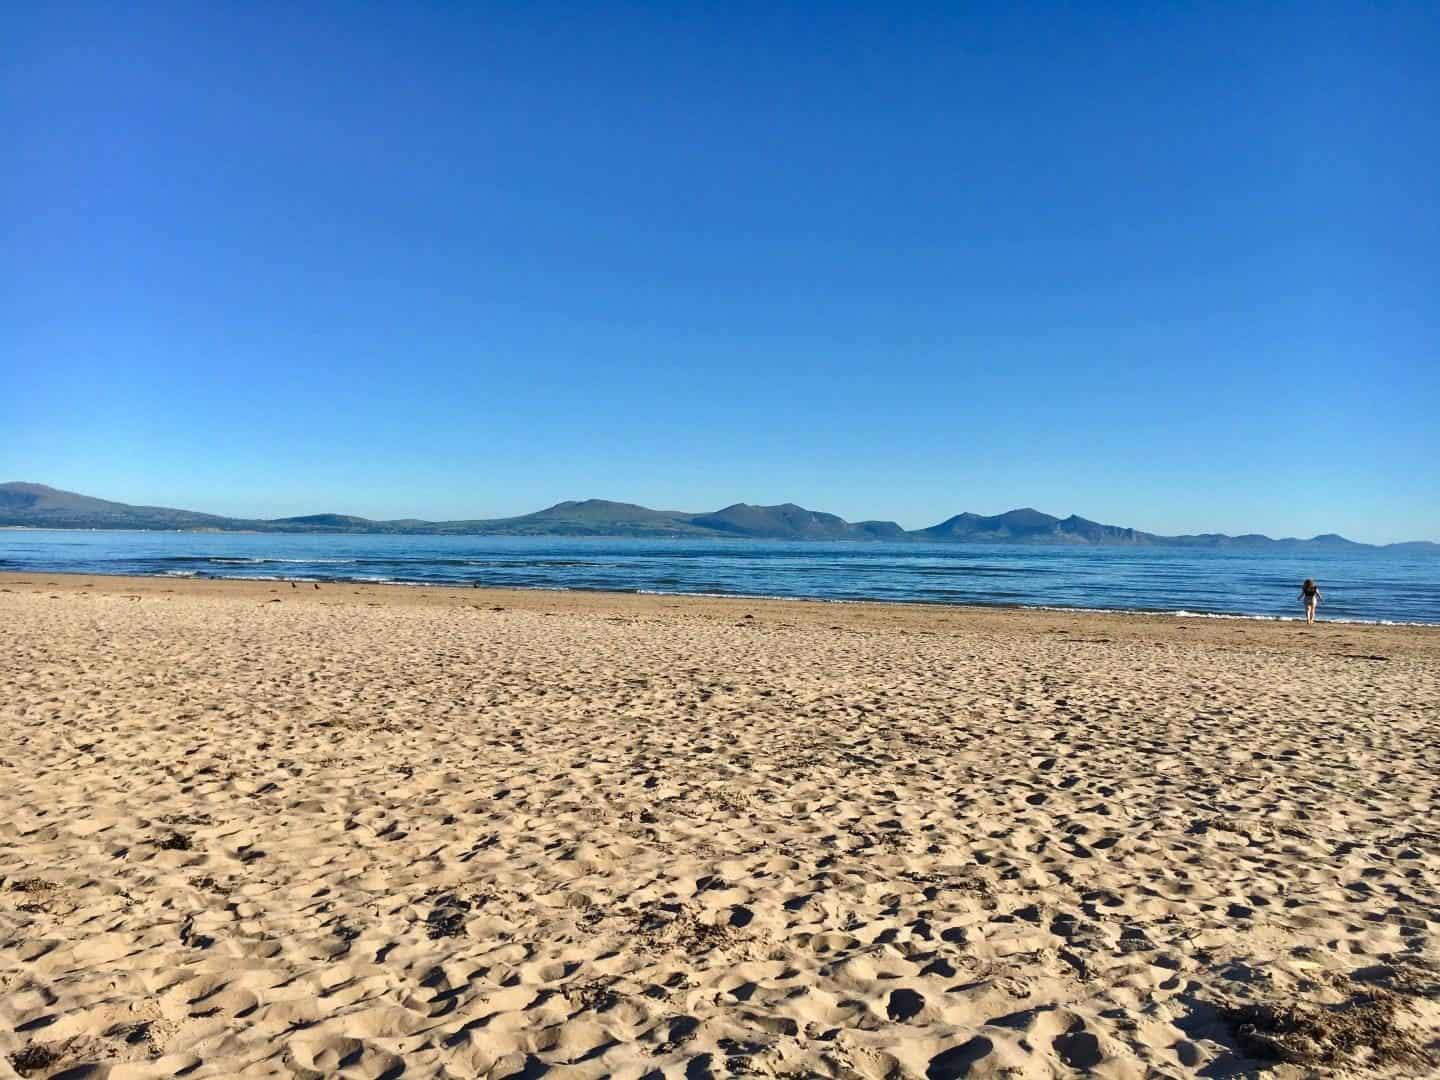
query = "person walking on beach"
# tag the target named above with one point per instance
(1310, 595)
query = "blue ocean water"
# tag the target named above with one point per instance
(1366, 586)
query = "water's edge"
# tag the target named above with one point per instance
(1151, 613)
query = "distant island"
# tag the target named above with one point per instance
(37, 506)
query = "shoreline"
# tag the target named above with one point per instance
(909, 616)
(1177, 613)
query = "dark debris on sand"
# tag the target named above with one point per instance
(447, 917)
(1360, 1031)
(32, 1059)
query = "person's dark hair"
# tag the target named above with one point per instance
(1309, 583)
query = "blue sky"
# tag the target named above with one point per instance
(1171, 266)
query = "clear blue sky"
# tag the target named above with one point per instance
(1171, 266)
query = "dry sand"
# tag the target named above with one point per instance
(257, 830)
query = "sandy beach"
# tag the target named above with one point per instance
(252, 829)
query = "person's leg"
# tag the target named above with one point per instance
(1309, 612)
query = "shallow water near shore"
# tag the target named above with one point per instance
(1365, 586)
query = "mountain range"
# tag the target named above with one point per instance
(41, 507)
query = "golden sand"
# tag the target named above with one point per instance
(258, 830)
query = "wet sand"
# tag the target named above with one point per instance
(258, 830)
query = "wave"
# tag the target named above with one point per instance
(1182, 613)
(245, 560)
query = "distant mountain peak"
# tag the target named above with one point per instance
(26, 487)
(334, 521)
(593, 504)
(582, 510)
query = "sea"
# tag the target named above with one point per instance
(1367, 586)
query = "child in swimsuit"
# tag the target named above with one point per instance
(1310, 596)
